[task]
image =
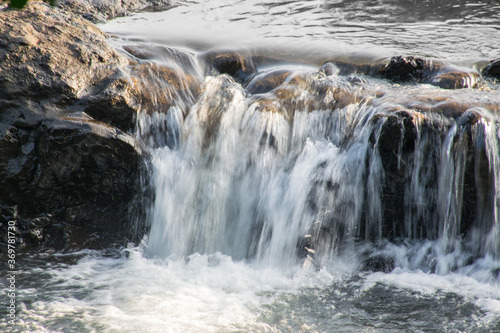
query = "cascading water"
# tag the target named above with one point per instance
(250, 184)
(305, 179)
(302, 190)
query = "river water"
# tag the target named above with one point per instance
(268, 214)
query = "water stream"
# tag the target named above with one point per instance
(328, 203)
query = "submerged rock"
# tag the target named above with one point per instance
(378, 263)
(419, 70)
(270, 80)
(237, 64)
(455, 79)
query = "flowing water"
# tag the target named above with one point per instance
(300, 208)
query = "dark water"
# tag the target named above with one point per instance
(232, 204)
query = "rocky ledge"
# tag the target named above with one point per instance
(70, 166)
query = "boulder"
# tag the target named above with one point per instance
(269, 80)
(77, 173)
(69, 169)
(60, 61)
(419, 70)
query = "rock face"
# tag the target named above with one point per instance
(69, 169)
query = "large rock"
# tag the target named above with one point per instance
(76, 178)
(69, 169)
(60, 61)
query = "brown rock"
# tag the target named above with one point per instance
(455, 80)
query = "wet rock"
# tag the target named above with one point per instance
(172, 85)
(80, 173)
(53, 62)
(67, 98)
(396, 144)
(492, 69)
(165, 56)
(329, 68)
(267, 81)
(57, 60)
(348, 68)
(402, 69)
(239, 65)
(378, 263)
(406, 142)
(455, 80)
(98, 11)
(418, 70)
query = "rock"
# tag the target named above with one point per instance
(347, 68)
(172, 85)
(77, 172)
(237, 64)
(402, 69)
(492, 69)
(285, 91)
(455, 80)
(406, 143)
(98, 11)
(53, 62)
(267, 81)
(378, 263)
(68, 167)
(57, 60)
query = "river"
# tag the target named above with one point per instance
(269, 211)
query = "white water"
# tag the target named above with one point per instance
(262, 221)
(215, 293)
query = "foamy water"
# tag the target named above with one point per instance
(127, 292)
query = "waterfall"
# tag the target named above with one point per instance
(279, 180)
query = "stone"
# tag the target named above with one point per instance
(267, 81)
(402, 69)
(237, 64)
(67, 101)
(98, 11)
(78, 172)
(455, 79)
(492, 69)
(378, 263)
